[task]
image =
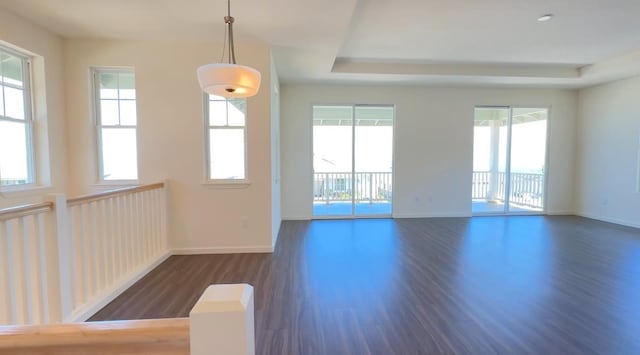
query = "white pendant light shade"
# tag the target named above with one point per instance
(229, 80)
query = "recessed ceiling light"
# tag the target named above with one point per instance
(545, 18)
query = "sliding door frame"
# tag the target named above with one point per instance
(353, 214)
(507, 198)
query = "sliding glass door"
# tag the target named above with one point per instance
(332, 160)
(509, 160)
(352, 160)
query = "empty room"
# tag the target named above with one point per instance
(319, 177)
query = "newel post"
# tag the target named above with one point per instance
(222, 321)
(61, 231)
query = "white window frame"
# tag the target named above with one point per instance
(95, 85)
(32, 177)
(223, 183)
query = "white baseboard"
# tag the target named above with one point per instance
(103, 298)
(430, 215)
(296, 218)
(223, 250)
(560, 213)
(609, 220)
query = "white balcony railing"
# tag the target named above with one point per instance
(526, 189)
(369, 187)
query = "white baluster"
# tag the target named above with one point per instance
(154, 222)
(115, 234)
(5, 288)
(165, 217)
(157, 220)
(101, 246)
(109, 236)
(126, 217)
(32, 270)
(149, 241)
(16, 275)
(140, 231)
(90, 253)
(146, 225)
(131, 218)
(152, 227)
(80, 252)
(148, 244)
(133, 231)
(130, 232)
(122, 228)
(44, 266)
(140, 216)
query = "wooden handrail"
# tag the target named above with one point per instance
(164, 336)
(25, 210)
(112, 193)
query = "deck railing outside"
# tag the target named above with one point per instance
(369, 187)
(526, 189)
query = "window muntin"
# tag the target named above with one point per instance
(226, 138)
(116, 120)
(16, 123)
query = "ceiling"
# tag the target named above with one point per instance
(455, 42)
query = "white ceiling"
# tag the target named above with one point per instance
(473, 42)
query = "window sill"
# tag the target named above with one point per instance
(227, 184)
(23, 191)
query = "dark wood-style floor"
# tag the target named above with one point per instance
(486, 285)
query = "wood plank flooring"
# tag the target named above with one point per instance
(483, 285)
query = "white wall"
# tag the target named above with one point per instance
(276, 217)
(609, 152)
(48, 88)
(433, 143)
(171, 138)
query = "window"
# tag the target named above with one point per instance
(116, 120)
(226, 136)
(16, 123)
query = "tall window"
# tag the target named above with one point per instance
(16, 129)
(116, 119)
(226, 135)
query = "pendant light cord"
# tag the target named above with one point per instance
(228, 36)
(229, 21)
(224, 44)
(232, 51)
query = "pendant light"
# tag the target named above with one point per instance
(229, 79)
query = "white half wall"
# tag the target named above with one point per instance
(171, 138)
(608, 169)
(433, 143)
